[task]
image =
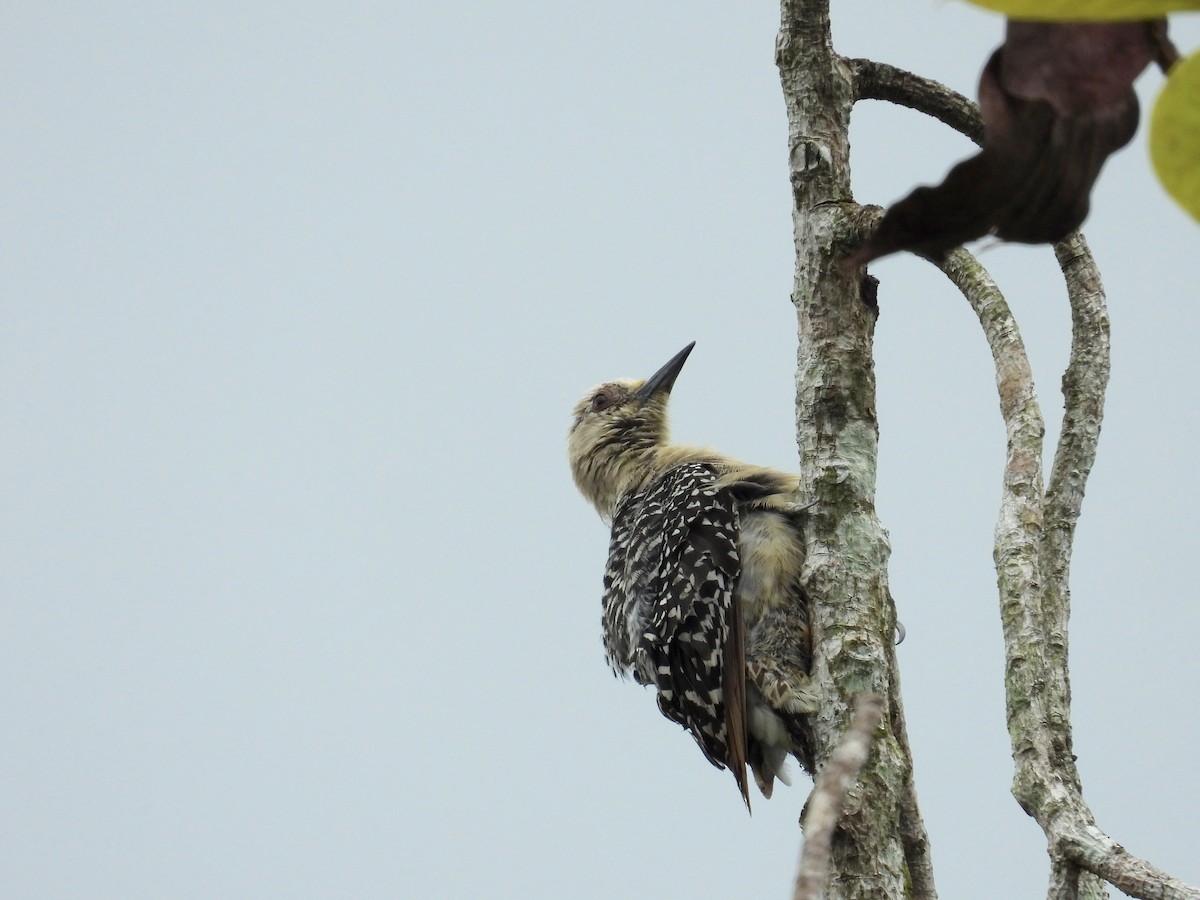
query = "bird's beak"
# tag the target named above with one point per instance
(663, 380)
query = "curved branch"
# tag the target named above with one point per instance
(1033, 543)
(879, 81)
(828, 796)
(1036, 782)
(1019, 527)
(1094, 851)
(1083, 387)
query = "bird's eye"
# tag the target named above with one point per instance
(600, 401)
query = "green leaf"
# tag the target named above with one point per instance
(1175, 134)
(1087, 10)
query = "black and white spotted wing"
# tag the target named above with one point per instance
(670, 610)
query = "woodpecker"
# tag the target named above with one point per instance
(702, 596)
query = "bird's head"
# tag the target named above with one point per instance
(616, 430)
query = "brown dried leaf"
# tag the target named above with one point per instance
(1079, 68)
(1057, 100)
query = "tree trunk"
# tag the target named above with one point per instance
(879, 849)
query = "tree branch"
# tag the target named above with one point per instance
(879, 81)
(1036, 526)
(1083, 387)
(1033, 548)
(828, 797)
(1094, 851)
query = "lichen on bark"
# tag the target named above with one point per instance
(879, 848)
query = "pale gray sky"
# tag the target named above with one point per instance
(298, 599)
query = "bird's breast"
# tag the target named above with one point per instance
(772, 556)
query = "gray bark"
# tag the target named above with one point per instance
(1034, 537)
(828, 797)
(879, 847)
